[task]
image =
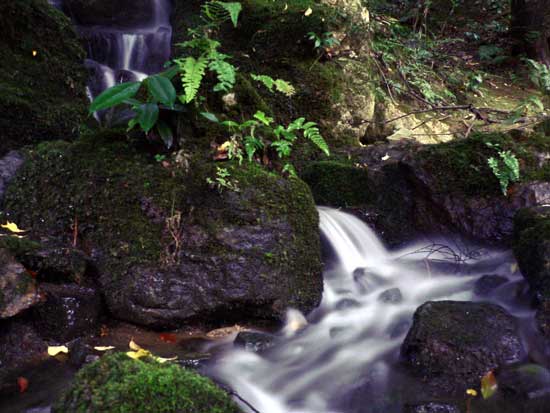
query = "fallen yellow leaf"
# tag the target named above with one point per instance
(308, 12)
(163, 360)
(134, 346)
(471, 392)
(55, 350)
(139, 354)
(103, 348)
(12, 227)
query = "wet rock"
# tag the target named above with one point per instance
(532, 250)
(391, 296)
(20, 346)
(451, 345)
(40, 45)
(203, 254)
(366, 280)
(9, 165)
(80, 352)
(528, 381)
(487, 283)
(18, 291)
(121, 13)
(347, 303)
(56, 264)
(431, 407)
(69, 311)
(254, 341)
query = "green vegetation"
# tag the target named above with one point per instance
(119, 384)
(506, 171)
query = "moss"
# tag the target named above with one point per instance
(18, 246)
(118, 384)
(101, 184)
(531, 248)
(338, 184)
(461, 166)
(42, 96)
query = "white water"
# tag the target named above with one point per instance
(354, 331)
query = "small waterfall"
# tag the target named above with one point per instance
(370, 295)
(118, 52)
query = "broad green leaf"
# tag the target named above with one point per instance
(210, 116)
(165, 133)
(147, 115)
(162, 90)
(262, 117)
(115, 96)
(171, 72)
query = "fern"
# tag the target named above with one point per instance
(279, 85)
(225, 72)
(220, 11)
(509, 172)
(192, 73)
(312, 133)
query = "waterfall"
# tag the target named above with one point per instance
(370, 295)
(116, 52)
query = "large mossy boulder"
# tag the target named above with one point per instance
(119, 384)
(42, 79)
(532, 250)
(169, 248)
(452, 344)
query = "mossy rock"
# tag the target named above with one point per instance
(119, 384)
(42, 79)
(338, 184)
(532, 248)
(461, 166)
(169, 248)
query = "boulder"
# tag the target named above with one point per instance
(451, 345)
(170, 249)
(9, 165)
(254, 341)
(18, 291)
(489, 282)
(69, 311)
(46, 99)
(142, 386)
(532, 250)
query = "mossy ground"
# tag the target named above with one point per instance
(42, 80)
(119, 384)
(461, 166)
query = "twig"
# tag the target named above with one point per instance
(75, 231)
(385, 80)
(235, 394)
(470, 129)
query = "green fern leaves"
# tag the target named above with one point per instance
(192, 72)
(220, 11)
(279, 85)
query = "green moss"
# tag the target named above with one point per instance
(18, 246)
(531, 246)
(103, 185)
(338, 184)
(43, 96)
(118, 384)
(461, 166)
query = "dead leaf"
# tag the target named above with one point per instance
(471, 392)
(488, 385)
(308, 12)
(12, 227)
(134, 346)
(136, 355)
(168, 338)
(55, 350)
(104, 348)
(23, 384)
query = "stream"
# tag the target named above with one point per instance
(370, 295)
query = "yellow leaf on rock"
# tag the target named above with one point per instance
(139, 354)
(163, 360)
(12, 227)
(104, 348)
(471, 392)
(134, 346)
(55, 350)
(308, 12)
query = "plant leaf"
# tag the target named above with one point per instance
(162, 90)
(166, 134)
(147, 115)
(115, 96)
(488, 385)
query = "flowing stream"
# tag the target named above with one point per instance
(370, 295)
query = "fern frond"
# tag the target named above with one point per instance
(314, 136)
(220, 11)
(225, 72)
(192, 73)
(267, 81)
(285, 87)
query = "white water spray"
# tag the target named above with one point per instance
(368, 303)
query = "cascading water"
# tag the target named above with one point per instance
(117, 53)
(370, 295)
